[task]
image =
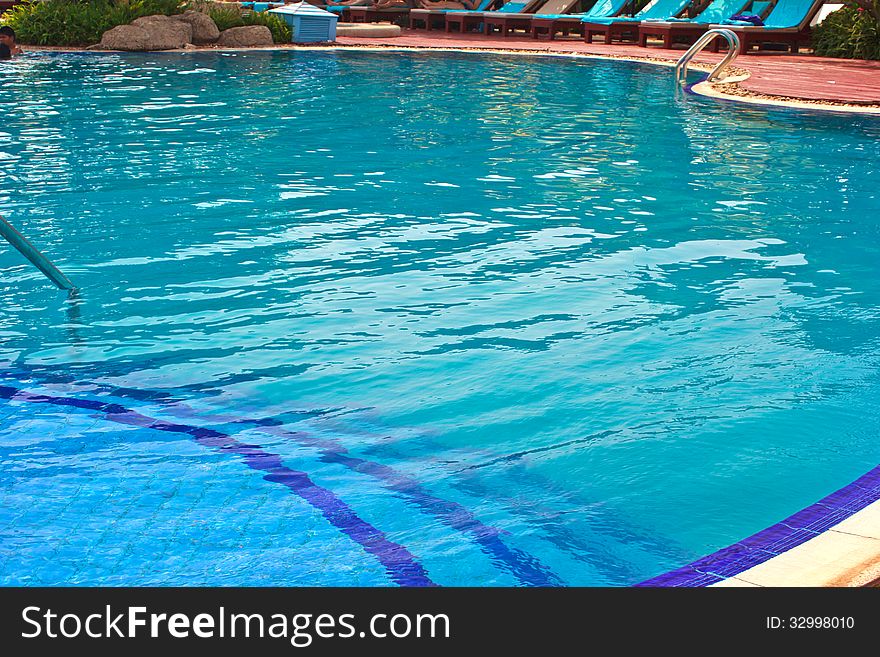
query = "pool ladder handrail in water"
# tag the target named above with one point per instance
(33, 254)
(733, 47)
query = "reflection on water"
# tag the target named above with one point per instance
(623, 328)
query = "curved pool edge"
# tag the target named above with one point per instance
(832, 543)
(707, 89)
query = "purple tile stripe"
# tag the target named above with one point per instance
(401, 566)
(527, 569)
(781, 537)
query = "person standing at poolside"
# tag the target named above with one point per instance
(7, 38)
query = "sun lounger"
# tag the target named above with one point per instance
(621, 26)
(260, 7)
(467, 20)
(506, 23)
(788, 22)
(430, 18)
(341, 10)
(570, 22)
(717, 12)
(370, 14)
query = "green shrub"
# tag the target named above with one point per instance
(851, 32)
(279, 28)
(82, 22)
(227, 17)
(79, 22)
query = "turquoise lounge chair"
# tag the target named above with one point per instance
(549, 13)
(367, 13)
(471, 19)
(261, 6)
(756, 8)
(339, 9)
(618, 26)
(568, 22)
(693, 28)
(601, 9)
(431, 17)
(788, 22)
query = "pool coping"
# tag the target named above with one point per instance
(715, 90)
(846, 555)
(834, 542)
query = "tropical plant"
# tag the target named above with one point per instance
(82, 22)
(852, 32)
(79, 22)
(227, 17)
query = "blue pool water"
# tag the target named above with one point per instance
(371, 319)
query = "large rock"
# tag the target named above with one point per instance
(204, 29)
(148, 33)
(246, 37)
(125, 37)
(166, 33)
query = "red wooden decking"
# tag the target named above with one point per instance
(773, 74)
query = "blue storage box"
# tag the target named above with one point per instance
(308, 23)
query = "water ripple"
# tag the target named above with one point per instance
(600, 317)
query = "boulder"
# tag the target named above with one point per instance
(166, 33)
(246, 37)
(148, 33)
(125, 37)
(204, 29)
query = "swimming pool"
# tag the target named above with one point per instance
(369, 319)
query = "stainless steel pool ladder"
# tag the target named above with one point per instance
(33, 254)
(702, 42)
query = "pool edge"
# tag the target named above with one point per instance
(834, 542)
(705, 88)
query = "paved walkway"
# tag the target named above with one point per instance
(802, 76)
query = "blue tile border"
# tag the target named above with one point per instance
(795, 530)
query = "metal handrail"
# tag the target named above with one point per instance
(702, 42)
(33, 254)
